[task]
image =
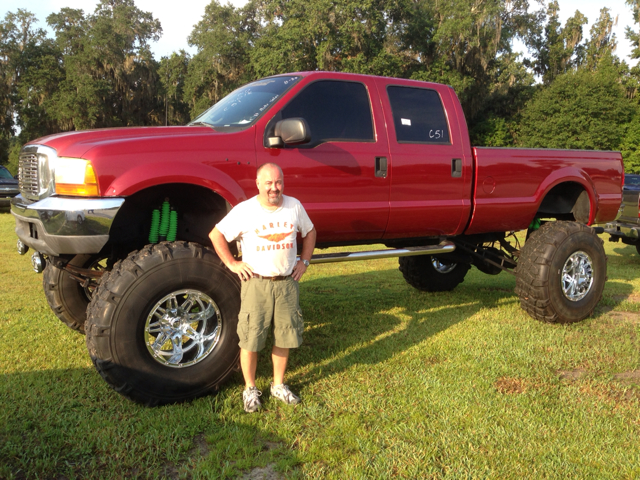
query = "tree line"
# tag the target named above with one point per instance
(569, 90)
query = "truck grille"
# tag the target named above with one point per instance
(28, 176)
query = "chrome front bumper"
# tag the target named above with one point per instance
(57, 226)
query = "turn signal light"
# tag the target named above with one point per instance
(84, 185)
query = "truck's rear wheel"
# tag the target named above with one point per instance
(161, 327)
(67, 297)
(561, 273)
(431, 273)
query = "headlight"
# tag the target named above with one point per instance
(75, 176)
(42, 173)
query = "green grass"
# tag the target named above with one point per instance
(394, 383)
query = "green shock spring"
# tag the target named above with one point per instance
(164, 221)
(173, 226)
(535, 224)
(155, 225)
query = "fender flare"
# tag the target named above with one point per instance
(569, 175)
(159, 173)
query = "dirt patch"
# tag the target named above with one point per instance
(170, 472)
(200, 447)
(628, 298)
(626, 317)
(572, 375)
(628, 377)
(263, 473)
(433, 361)
(510, 386)
(271, 445)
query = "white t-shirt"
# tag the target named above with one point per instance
(268, 238)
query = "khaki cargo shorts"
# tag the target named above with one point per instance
(264, 301)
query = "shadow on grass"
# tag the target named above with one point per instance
(615, 293)
(370, 317)
(629, 252)
(65, 424)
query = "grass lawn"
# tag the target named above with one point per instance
(394, 382)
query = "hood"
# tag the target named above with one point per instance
(76, 144)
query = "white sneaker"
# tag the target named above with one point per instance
(282, 392)
(251, 400)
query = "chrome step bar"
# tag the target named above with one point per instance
(444, 247)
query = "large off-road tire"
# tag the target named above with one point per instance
(67, 297)
(561, 272)
(161, 327)
(430, 273)
(638, 248)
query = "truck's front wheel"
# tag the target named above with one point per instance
(561, 273)
(430, 273)
(161, 327)
(67, 297)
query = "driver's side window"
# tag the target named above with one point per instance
(334, 110)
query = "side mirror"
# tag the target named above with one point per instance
(292, 131)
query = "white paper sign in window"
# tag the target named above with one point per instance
(406, 121)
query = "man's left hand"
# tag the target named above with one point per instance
(298, 271)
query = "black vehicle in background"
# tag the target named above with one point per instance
(627, 227)
(8, 187)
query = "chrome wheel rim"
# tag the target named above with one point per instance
(442, 267)
(577, 276)
(183, 328)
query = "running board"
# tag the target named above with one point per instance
(443, 247)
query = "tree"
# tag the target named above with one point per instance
(580, 109)
(111, 76)
(30, 69)
(224, 38)
(631, 34)
(602, 41)
(173, 73)
(555, 50)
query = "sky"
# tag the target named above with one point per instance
(178, 18)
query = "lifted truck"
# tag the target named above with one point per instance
(374, 161)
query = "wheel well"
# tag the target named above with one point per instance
(567, 201)
(199, 209)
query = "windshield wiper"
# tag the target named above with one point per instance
(201, 123)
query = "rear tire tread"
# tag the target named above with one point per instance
(533, 276)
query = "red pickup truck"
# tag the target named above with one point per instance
(119, 218)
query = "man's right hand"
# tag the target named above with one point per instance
(243, 270)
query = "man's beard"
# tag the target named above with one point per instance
(274, 200)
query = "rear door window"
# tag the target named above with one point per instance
(418, 115)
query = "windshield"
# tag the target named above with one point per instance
(4, 173)
(246, 104)
(632, 180)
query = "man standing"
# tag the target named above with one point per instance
(267, 225)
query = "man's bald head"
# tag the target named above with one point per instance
(268, 166)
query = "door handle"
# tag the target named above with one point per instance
(456, 167)
(381, 167)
